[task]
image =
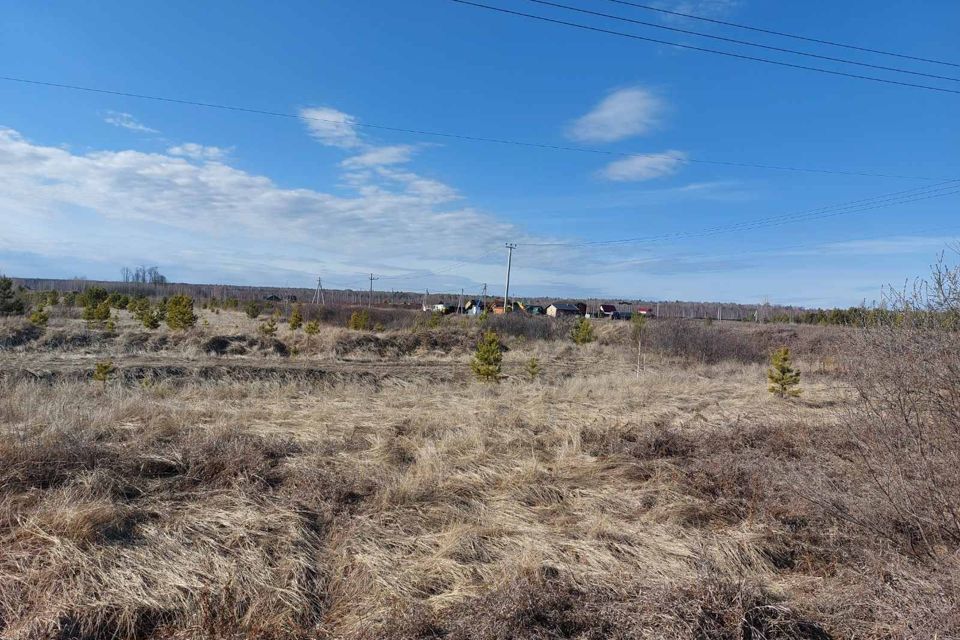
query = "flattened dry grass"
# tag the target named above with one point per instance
(592, 506)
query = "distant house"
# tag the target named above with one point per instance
(444, 308)
(581, 308)
(644, 311)
(272, 298)
(498, 308)
(607, 310)
(559, 309)
(473, 307)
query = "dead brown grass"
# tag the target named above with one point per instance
(689, 503)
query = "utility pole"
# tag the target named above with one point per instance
(370, 300)
(506, 290)
(318, 294)
(658, 309)
(484, 297)
(460, 302)
(719, 314)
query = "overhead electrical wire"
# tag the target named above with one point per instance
(679, 45)
(783, 34)
(907, 196)
(741, 42)
(448, 135)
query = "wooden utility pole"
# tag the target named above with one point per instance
(506, 289)
(370, 300)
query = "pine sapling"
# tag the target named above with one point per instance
(296, 318)
(268, 328)
(784, 379)
(180, 313)
(102, 371)
(39, 318)
(533, 368)
(582, 332)
(487, 358)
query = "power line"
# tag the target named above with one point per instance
(741, 42)
(729, 54)
(442, 134)
(783, 34)
(944, 189)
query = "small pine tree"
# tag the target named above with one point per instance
(180, 313)
(582, 332)
(252, 309)
(784, 379)
(150, 319)
(533, 368)
(268, 327)
(102, 371)
(97, 315)
(359, 320)
(53, 297)
(10, 302)
(39, 318)
(312, 328)
(296, 318)
(488, 357)
(161, 310)
(93, 296)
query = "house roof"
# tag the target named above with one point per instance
(607, 307)
(563, 306)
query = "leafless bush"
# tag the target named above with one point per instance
(908, 422)
(339, 316)
(697, 341)
(529, 327)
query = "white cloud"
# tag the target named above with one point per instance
(644, 167)
(705, 8)
(379, 156)
(196, 151)
(126, 121)
(332, 127)
(622, 114)
(124, 205)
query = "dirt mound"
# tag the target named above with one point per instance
(18, 333)
(243, 345)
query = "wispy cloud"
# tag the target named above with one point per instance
(331, 127)
(126, 121)
(644, 167)
(380, 156)
(622, 114)
(196, 151)
(705, 8)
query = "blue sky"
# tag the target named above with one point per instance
(92, 182)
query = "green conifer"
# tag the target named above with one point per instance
(784, 379)
(582, 332)
(296, 318)
(533, 368)
(488, 357)
(180, 313)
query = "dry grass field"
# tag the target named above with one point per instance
(363, 485)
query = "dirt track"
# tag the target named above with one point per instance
(172, 368)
